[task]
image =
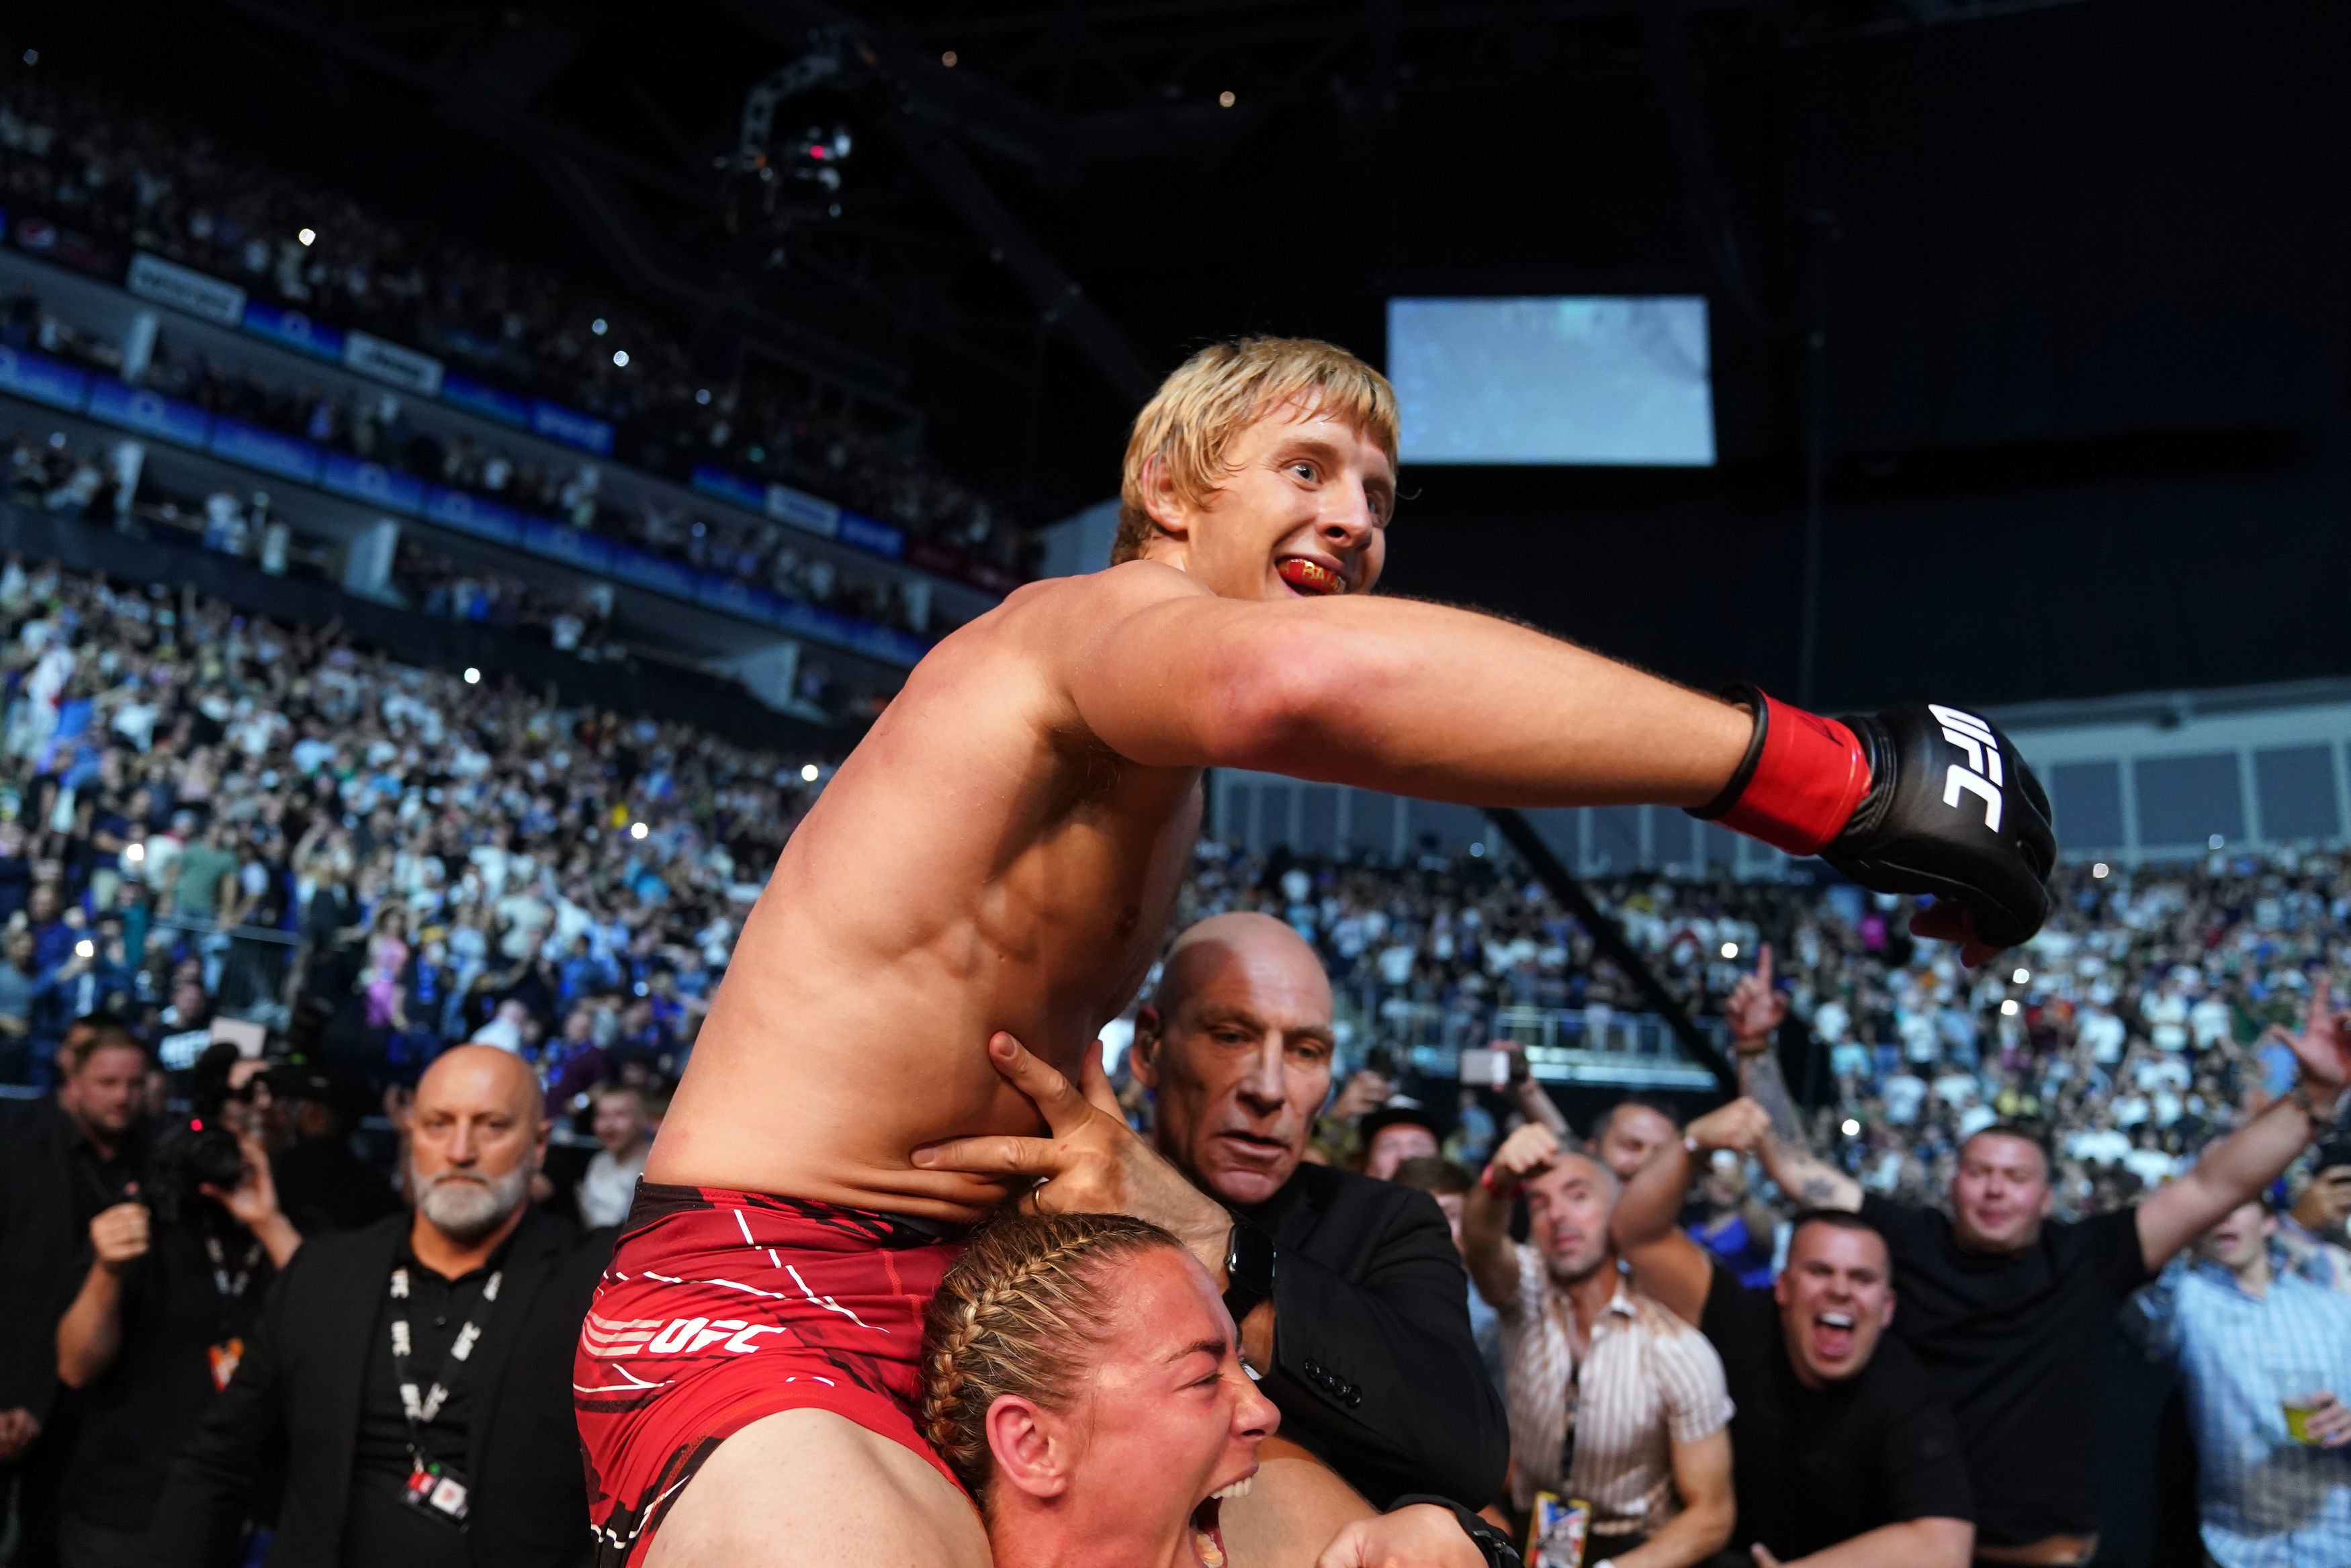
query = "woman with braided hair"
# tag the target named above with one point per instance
(1083, 1380)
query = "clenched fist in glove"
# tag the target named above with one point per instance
(1920, 798)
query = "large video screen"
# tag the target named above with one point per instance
(1572, 379)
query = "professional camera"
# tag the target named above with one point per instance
(201, 1152)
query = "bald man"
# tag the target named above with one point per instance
(1351, 1299)
(414, 1377)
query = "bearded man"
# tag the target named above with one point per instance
(413, 1377)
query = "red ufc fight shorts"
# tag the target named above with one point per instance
(722, 1307)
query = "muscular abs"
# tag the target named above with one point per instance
(972, 867)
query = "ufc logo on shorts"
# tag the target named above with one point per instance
(1979, 775)
(612, 1339)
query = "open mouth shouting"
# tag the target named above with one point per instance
(1310, 577)
(1207, 1534)
(1833, 1336)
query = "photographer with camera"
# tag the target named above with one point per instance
(174, 1276)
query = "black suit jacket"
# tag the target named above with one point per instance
(294, 1401)
(1375, 1370)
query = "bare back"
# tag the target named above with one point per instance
(981, 862)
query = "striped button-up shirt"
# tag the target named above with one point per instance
(1646, 1380)
(2266, 1502)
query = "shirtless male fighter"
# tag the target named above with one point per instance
(996, 861)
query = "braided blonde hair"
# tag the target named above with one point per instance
(1014, 1317)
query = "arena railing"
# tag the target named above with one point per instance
(1562, 1044)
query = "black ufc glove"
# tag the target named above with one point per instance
(1920, 798)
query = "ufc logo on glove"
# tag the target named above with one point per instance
(1879, 797)
(1980, 776)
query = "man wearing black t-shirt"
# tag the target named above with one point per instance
(2010, 1310)
(1841, 1444)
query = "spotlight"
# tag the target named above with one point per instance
(32, 56)
(2099, 870)
(2008, 1009)
(1478, 850)
(2024, 975)
(702, 394)
(84, 948)
(1225, 100)
(1850, 1127)
(308, 236)
(134, 853)
(947, 57)
(1730, 949)
(599, 327)
(636, 830)
(473, 676)
(807, 773)
(2215, 841)
(621, 357)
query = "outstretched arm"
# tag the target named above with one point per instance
(1384, 694)
(1754, 1011)
(2233, 1169)
(1486, 1217)
(1534, 1101)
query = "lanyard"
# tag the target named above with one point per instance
(421, 1409)
(233, 1289)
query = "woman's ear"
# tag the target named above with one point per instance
(1031, 1451)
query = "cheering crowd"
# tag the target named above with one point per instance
(72, 153)
(2136, 1024)
(375, 429)
(480, 916)
(432, 850)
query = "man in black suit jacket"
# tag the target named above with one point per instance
(1352, 1301)
(488, 1292)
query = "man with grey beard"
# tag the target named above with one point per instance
(412, 1378)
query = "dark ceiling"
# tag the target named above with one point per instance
(1027, 237)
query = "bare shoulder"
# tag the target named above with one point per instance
(1044, 632)
(1071, 606)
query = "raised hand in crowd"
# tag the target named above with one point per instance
(2323, 1050)
(1364, 1091)
(253, 1202)
(1741, 1125)
(2233, 1169)
(1756, 1006)
(1527, 1151)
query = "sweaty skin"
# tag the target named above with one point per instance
(1003, 850)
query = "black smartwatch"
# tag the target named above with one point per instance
(1249, 1270)
(1492, 1544)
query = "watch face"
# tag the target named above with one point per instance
(1249, 1259)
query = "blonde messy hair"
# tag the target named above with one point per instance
(1220, 392)
(1014, 1315)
